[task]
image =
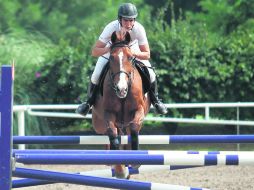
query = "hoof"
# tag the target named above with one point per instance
(135, 166)
(121, 176)
(121, 172)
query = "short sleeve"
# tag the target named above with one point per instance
(141, 36)
(107, 32)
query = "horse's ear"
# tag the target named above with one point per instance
(113, 37)
(127, 37)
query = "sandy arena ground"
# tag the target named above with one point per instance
(212, 177)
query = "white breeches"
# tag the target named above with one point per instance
(101, 62)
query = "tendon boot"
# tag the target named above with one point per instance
(159, 106)
(84, 108)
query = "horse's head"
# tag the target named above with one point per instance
(121, 63)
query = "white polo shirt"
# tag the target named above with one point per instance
(138, 33)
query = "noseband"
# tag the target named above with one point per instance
(113, 75)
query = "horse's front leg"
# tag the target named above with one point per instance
(113, 136)
(120, 170)
(111, 130)
(135, 127)
(134, 133)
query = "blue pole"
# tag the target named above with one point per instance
(79, 179)
(33, 182)
(5, 127)
(93, 181)
(46, 140)
(90, 159)
(212, 139)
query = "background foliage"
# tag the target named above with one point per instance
(203, 50)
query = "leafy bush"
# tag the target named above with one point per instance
(223, 16)
(29, 52)
(196, 64)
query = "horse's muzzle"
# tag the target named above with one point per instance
(121, 93)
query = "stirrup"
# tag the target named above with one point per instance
(160, 108)
(83, 109)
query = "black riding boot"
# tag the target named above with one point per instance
(84, 108)
(159, 106)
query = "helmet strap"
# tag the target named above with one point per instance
(119, 20)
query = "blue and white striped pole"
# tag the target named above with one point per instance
(95, 181)
(143, 139)
(64, 151)
(101, 173)
(140, 159)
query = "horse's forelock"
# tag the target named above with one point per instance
(120, 35)
(126, 51)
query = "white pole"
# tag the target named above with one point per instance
(207, 114)
(21, 127)
(238, 127)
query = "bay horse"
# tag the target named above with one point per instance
(122, 107)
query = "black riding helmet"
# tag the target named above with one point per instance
(127, 10)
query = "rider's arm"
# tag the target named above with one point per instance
(144, 53)
(99, 49)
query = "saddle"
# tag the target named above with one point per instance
(142, 69)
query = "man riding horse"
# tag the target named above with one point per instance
(127, 14)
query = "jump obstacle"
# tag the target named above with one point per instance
(150, 160)
(8, 165)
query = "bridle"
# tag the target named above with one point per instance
(113, 75)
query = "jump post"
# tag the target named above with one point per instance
(6, 127)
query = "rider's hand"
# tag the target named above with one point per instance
(134, 53)
(107, 49)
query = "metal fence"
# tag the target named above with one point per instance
(48, 111)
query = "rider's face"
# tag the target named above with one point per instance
(128, 23)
